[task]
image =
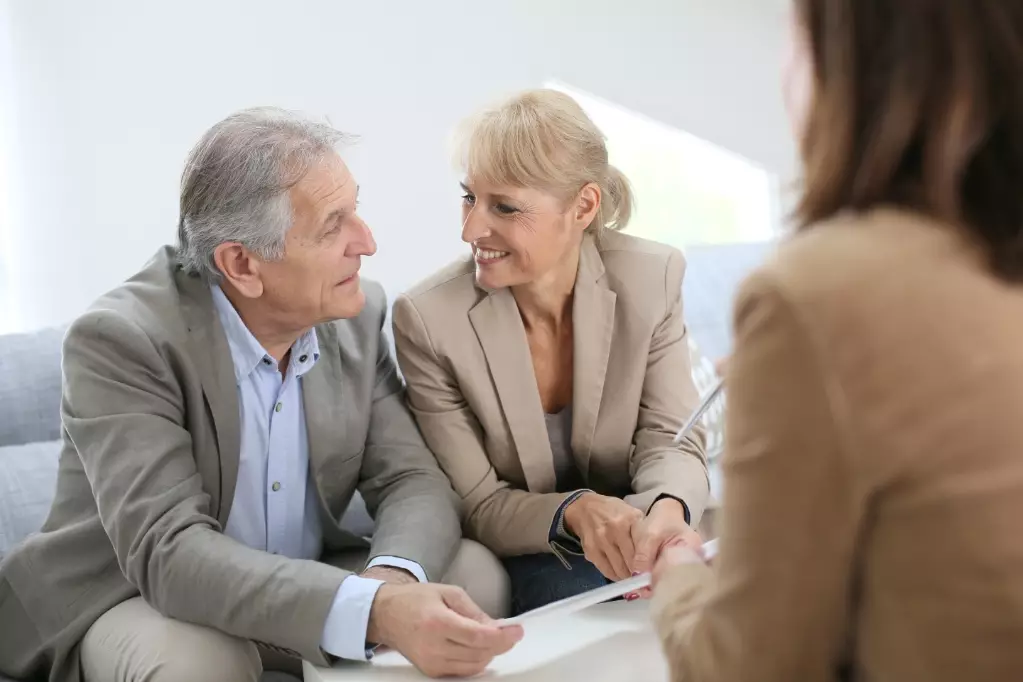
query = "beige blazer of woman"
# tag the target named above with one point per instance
(873, 469)
(465, 358)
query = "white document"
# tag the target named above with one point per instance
(584, 600)
(601, 594)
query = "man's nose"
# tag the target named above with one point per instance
(474, 226)
(363, 244)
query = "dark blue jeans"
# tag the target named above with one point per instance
(539, 579)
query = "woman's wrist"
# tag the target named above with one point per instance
(574, 511)
(668, 506)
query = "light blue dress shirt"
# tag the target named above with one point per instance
(275, 507)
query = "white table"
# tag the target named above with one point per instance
(605, 643)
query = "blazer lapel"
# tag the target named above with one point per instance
(499, 328)
(593, 311)
(212, 356)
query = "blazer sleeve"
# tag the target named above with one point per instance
(123, 409)
(658, 467)
(508, 521)
(411, 500)
(776, 607)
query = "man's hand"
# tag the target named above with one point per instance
(390, 575)
(438, 628)
(604, 527)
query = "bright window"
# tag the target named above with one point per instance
(688, 191)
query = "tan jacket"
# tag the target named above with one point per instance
(464, 355)
(149, 466)
(873, 510)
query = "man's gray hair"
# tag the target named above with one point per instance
(235, 184)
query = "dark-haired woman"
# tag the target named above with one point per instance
(873, 522)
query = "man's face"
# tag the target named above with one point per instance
(317, 281)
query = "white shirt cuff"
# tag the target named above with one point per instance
(397, 562)
(344, 633)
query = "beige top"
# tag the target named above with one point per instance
(873, 472)
(465, 357)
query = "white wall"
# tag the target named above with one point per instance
(10, 315)
(111, 94)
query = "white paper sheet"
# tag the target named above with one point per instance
(601, 594)
(584, 600)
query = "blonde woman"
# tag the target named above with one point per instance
(871, 527)
(549, 368)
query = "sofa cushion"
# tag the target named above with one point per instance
(28, 479)
(30, 390)
(714, 273)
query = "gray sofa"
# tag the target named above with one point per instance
(30, 392)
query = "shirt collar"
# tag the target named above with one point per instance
(246, 351)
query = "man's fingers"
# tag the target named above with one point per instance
(462, 604)
(462, 669)
(461, 652)
(469, 633)
(475, 635)
(439, 666)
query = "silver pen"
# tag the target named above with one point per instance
(705, 404)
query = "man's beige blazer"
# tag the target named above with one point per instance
(464, 355)
(148, 470)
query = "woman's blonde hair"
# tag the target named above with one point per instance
(544, 139)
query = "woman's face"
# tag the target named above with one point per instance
(520, 235)
(798, 76)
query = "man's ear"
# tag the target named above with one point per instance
(240, 268)
(587, 204)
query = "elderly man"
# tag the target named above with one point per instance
(220, 409)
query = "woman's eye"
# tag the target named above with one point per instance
(505, 209)
(468, 199)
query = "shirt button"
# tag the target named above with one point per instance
(303, 358)
(277, 408)
(276, 486)
(267, 361)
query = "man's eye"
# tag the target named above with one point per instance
(468, 199)
(505, 209)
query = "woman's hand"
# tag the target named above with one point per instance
(673, 556)
(604, 526)
(663, 528)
